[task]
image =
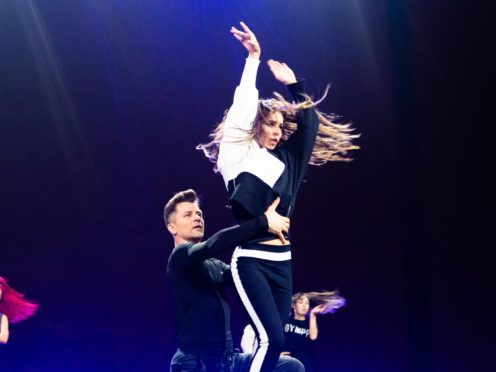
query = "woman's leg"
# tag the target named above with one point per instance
(280, 281)
(253, 285)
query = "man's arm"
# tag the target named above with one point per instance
(227, 239)
(233, 236)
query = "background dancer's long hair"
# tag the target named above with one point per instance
(14, 305)
(330, 300)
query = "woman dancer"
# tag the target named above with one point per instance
(301, 328)
(262, 149)
(13, 309)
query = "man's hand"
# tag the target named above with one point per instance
(277, 223)
(248, 39)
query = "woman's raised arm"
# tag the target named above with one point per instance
(248, 39)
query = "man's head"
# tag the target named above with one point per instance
(183, 217)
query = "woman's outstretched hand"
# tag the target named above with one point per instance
(319, 309)
(282, 72)
(248, 39)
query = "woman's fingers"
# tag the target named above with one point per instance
(271, 63)
(275, 65)
(234, 30)
(239, 34)
(285, 227)
(248, 39)
(245, 27)
(246, 34)
(282, 238)
(281, 71)
(275, 203)
(239, 38)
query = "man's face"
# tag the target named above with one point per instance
(186, 223)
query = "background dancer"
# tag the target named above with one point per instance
(301, 327)
(13, 308)
(262, 149)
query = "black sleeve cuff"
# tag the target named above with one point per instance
(297, 90)
(263, 222)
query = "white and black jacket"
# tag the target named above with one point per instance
(255, 176)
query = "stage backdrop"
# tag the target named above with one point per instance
(102, 104)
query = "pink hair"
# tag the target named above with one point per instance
(14, 305)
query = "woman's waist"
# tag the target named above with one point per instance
(276, 242)
(269, 239)
(262, 246)
(264, 251)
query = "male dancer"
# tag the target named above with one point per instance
(198, 282)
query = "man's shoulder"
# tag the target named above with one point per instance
(181, 247)
(177, 252)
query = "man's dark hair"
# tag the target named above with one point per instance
(180, 197)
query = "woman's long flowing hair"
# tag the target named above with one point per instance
(333, 142)
(14, 305)
(330, 299)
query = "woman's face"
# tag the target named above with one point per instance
(271, 131)
(301, 306)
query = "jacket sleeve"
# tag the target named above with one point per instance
(302, 141)
(240, 117)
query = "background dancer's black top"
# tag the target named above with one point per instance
(198, 282)
(297, 341)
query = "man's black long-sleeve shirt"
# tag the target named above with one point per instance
(198, 281)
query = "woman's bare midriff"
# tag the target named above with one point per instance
(274, 242)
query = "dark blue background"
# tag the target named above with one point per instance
(102, 104)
